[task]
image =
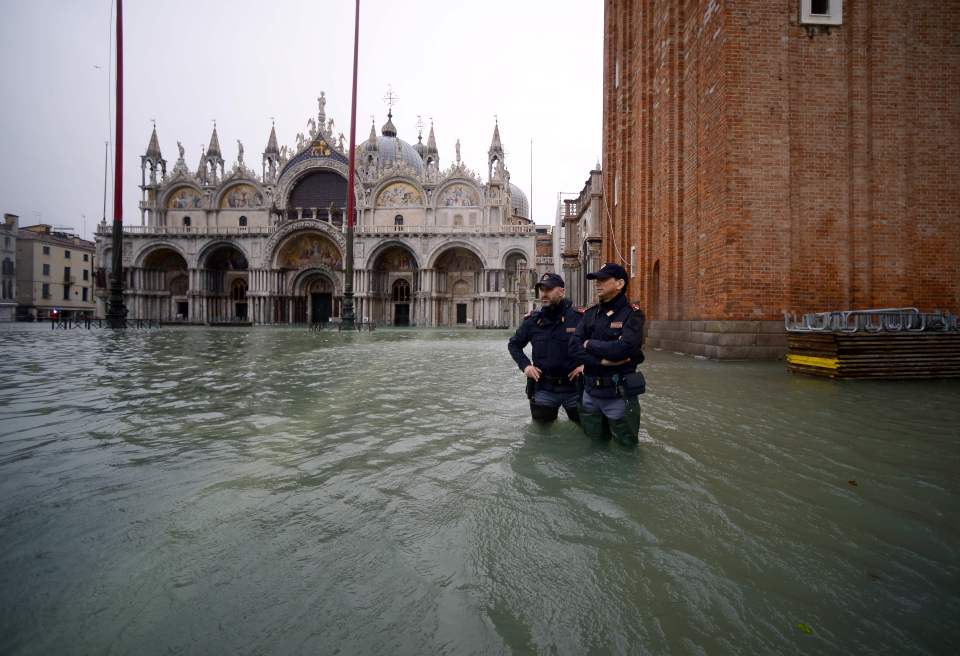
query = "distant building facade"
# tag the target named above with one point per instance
(764, 157)
(55, 273)
(8, 259)
(582, 252)
(434, 247)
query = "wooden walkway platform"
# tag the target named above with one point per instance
(875, 355)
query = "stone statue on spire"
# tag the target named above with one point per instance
(240, 152)
(457, 147)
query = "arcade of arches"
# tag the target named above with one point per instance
(304, 284)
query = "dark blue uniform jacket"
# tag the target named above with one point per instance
(550, 329)
(615, 332)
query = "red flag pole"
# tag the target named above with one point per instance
(348, 318)
(116, 312)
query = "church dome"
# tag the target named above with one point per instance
(519, 205)
(387, 150)
(388, 145)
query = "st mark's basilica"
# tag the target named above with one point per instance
(434, 246)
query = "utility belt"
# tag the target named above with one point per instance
(610, 387)
(550, 384)
(555, 381)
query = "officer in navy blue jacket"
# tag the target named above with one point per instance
(608, 344)
(551, 377)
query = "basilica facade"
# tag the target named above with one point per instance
(434, 246)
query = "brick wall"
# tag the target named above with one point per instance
(758, 168)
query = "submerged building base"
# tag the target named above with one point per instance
(720, 340)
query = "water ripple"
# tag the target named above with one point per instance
(280, 491)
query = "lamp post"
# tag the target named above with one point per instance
(348, 319)
(116, 312)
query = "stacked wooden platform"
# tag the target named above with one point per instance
(875, 354)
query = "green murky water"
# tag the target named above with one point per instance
(275, 491)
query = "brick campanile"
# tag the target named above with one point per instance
(755, 165)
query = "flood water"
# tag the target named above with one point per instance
(277, 491)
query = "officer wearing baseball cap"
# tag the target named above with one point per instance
(551, 376)
(608, 344)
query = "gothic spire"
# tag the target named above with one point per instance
(202, 166)
(213, 150)
(432, 141)
(372, 140)
(153, 148)
(495, 146)
(272, 147)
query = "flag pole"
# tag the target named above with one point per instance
(348, 319)
(116, 312)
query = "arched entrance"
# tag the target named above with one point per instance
(315, 298)
(391, 284)
(161, 285)
(458, 277)
(225, 275)
(309, 262)
(518, 290)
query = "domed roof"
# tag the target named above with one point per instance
(388, 143)
(519, 204)
(387, 149)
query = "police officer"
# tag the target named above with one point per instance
(608, 343)
(551, 377)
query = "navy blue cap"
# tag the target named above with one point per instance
(549, 280)
(609, 270)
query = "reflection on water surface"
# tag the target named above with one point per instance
(280, 491)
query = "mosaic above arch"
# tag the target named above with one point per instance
(458, 195)
(399, 194)
(395, 258)
(242, 195)
(184, 198)
(309, 250)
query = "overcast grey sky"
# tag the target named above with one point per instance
(534, 63)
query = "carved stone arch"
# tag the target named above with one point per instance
(516, 250)
(385, 245)
(413, 182)
(235, 182)
(446, 184)
(459, 243)
(173, 188)
(154, 246)
(291, 177)
(271, 248)
(304, 275)
(207, 249)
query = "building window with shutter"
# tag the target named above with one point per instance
(821, 12)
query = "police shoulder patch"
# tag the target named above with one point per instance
(636, 306)
(580, 310)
